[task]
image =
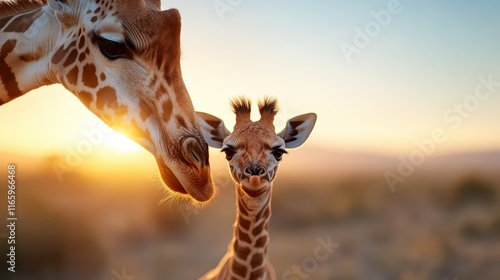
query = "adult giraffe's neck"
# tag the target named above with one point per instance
(26, 41)
(251, 236)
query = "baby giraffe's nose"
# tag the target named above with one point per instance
(254, 170)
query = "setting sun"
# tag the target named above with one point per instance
(118, 141)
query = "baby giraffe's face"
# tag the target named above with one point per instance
(254, 149)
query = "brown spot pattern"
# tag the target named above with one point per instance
(23, 22)
(153, 81)
(238, 268)
(81, 43)
(106, 97)
(61, 53)
(72, 75)
(81, 58)
(167, 107)
(145, 110)
(89, 76)
(181, 123)
(257, 260)
(71, 58)
(243, 236)
(261, 242)
(6, 75)
(258, 229)
(242, 208)
(4, 21)
(85, 98)
(162, 91)
(257, 274)
(264, 212)
(244, 223)
(241, 252)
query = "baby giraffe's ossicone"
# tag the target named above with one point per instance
(253, 151)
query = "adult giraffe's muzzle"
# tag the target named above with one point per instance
(189, 173)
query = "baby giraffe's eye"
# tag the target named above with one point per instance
(278, 154)
(229, 152)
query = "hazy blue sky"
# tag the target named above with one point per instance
(397, 88)
(426, 58)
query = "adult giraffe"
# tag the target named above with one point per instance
(121, 58)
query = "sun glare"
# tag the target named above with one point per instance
(121, 142)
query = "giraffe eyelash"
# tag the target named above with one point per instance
(111, 48)
(230, 152)
(278, 154)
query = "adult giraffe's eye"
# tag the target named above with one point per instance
(229, 152)
(111, 49)
(278, 154)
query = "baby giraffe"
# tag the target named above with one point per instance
(253, 151)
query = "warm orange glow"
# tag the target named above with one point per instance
(119, 141)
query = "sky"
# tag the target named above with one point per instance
(382, 76)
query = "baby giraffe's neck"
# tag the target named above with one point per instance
(246, 258)
(251, 236)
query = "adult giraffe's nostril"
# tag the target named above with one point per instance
(195, 152)
(254, 170)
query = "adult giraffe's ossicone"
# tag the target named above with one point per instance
(121, 58)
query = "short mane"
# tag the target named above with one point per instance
(10, 8)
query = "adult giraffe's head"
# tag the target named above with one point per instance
(254, 150)
(121, 58)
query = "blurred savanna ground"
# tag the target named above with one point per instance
(442, 222)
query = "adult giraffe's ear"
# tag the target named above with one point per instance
(66, 10)
(213, 129)
(297, 130)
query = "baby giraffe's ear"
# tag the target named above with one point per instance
(213, 129)
(297, 130)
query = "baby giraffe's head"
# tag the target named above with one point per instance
(254, 149)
